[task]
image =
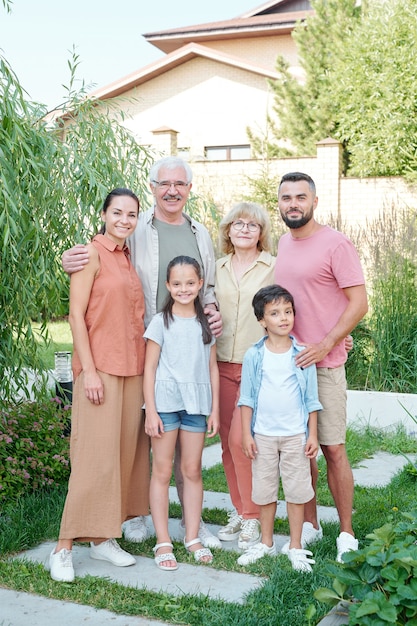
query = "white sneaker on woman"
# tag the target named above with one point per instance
(60, 566)
(111, 551)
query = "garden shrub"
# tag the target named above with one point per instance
(34, 449)
(379, 581)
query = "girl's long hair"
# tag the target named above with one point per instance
(169, 302)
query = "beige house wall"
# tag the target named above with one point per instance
(262, 51)
(208, 103)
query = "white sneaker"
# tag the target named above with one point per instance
(207, 538)
(232, 529)
(250, 533)
(300, 560)
(255, 553)
(111, 551)
(345, 543)
(309, 535)
(60, 566)
(135, 529)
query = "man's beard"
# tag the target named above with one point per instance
(297, 222)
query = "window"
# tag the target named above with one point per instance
(184, 153)
(227, 153)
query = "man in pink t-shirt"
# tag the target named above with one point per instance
(321, 268)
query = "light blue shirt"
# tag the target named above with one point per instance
(252, 378)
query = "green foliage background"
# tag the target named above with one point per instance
(54, 176)
(55, 171)
(359, 62)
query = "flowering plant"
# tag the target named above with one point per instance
(34, 447)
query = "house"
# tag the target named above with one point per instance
(199, 100)
(212, 84)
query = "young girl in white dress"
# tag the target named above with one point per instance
(181, 390)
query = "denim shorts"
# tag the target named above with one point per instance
(184, 421)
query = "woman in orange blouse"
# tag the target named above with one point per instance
(106, 318)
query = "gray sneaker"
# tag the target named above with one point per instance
(135, 529)
(206, 537)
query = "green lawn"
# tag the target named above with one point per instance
(61, 340)
(285, 596)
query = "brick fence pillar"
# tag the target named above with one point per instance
(329, 172)
(165, 141)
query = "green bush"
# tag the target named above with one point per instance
(34, 450)
(379, 582)
(384, 357)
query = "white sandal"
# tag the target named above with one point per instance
(200, 553)
(167, 556)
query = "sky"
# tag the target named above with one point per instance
(38, 36)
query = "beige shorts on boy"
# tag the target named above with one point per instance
(331, 421)
(285, 457)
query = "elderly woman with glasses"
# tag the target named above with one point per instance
(248, 265)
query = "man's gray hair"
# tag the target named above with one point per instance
(170, 163)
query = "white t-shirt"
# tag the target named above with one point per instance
(280, 412)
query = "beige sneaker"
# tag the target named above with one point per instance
(232, 529)
(250, 534)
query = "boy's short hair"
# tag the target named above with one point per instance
(268, 294)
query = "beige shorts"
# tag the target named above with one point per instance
(331, 421)
(283, 456)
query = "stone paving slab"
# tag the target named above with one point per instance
(379, 470)
(20, 609)
(188, 579)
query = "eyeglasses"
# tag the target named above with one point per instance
(251, 226)
(166, 184)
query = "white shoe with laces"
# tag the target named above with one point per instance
(111, 551)
(232, 529)
(300, 559)
(250, 534)
(255, 553)
(60, 566)
(309, 535)
(345, 543)
(135, 529)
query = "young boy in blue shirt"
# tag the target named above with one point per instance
(279, 404)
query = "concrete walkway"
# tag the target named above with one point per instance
(20, 609)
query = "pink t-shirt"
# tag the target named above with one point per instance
(315, 270)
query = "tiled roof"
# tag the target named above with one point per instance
(260, 24)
